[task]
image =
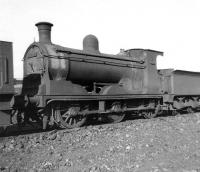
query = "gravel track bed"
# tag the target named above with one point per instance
(164, 144)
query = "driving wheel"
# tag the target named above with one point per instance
(69, 118)
(116, 114)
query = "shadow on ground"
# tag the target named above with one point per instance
(14, 130)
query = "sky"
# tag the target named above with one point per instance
(171, 26)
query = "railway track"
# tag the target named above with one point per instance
(36, 127)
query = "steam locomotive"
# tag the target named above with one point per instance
(65, 86)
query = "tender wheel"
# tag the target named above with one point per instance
(70, 118)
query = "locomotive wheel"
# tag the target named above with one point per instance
(190, 110)
(69, 118)
(174, 112)
(149, 114)
(152, 113)
(115, 117)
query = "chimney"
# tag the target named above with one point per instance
(44, 29)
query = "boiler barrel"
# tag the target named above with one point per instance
(89, 65)
(85, 69)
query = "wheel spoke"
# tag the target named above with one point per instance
(70, 121)
(73, 121)
(66, 119)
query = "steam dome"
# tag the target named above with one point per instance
(91, 43)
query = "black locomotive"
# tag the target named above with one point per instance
(64, 86)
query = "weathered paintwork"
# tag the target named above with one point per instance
(134, 72)
(66, 85)
(179, 82)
